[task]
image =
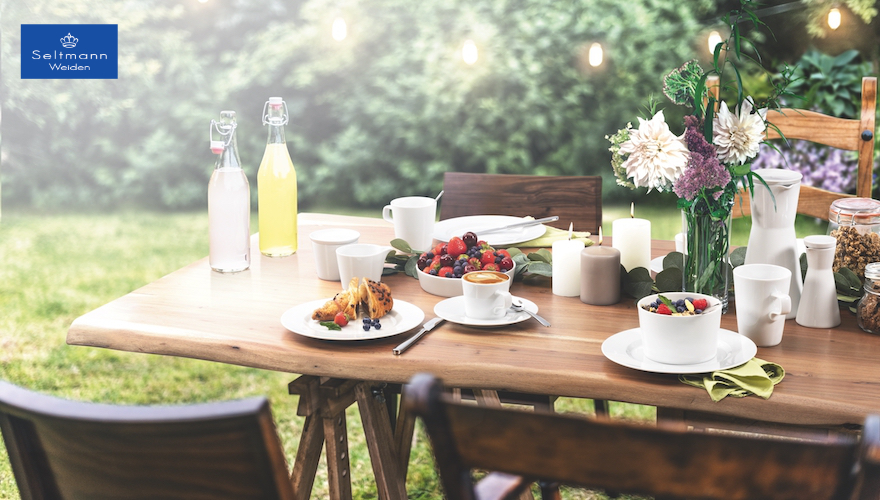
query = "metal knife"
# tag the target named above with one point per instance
(427, 327)
(527, 223)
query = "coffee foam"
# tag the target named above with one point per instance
(485, 277)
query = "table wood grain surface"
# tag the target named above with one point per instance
(832, 375)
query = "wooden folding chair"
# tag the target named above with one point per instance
(575, 199)
(520, 447)
(61, 449)
(852, 135)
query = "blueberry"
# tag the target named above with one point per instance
(377, 326)
(429, 255)
(448, 275)
(366, 321)
(366, 327)
(680, 309)
(433, 272)
(698, 311)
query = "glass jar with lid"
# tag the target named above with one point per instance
(855, 224)
(869, 306)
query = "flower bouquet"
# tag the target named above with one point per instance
(711, 160)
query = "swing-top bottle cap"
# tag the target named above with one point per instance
(276, 101)
(217, 147)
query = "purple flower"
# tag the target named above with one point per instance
(703, 170)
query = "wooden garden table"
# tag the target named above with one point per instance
(832, 376)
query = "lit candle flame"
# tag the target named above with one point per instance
(570, 230)
(600, 236)
(632, 208)
(834, 18)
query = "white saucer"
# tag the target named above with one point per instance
(452, 310)
(457, 226)
(401, 318)
(657, 264)
(625, 348)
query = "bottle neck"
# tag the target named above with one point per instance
(229, 157)
(276, 134)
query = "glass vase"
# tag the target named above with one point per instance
(707, 261)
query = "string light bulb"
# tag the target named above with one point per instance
(469, 52)
(595, 55)
(339, 30)
(714, 40)
(834, 18)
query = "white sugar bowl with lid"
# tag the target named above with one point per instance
(324, 245)
(680, 340)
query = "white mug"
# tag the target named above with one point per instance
(361, 260)
(324, 245)
(486, 294)
(762, 301)
(413, 219)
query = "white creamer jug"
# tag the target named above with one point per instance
(772, 239)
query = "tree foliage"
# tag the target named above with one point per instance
(385, 111)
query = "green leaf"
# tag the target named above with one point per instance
(669, 280)
(541, 268)
(542, 255)
(637, 283)
(412, 266)
(331, 325)
(401, 245)
(738, 256)
(851, 278)
(673, 259)
(803, 262)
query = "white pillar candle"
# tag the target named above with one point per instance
(567, 267)
(632, 237)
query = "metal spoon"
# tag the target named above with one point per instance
(518, 307)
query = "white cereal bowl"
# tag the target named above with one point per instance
(446, 287)
(679, 340)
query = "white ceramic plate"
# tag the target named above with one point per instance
(402, 318)
(625, 348)
(457, 226)
(452, 310)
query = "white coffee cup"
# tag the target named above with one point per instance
(762, 301)
(413, 219)
(486, 294)
(324, 245)
(361, 260)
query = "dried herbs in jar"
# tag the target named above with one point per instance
(855, 224)
(869, 306)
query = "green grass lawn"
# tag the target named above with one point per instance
(54, 268)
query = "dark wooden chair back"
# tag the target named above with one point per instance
(520, 447)
(852, 135)
(575, 199)
(62, 449)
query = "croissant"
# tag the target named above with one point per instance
(375, 298)
(345, 301)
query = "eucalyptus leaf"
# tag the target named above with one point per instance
(401, 245)
(669, 280)
(542, 255)
(673, 260)
(851, 278)
(738, 256)
(541, 268)
(412, 266)
(637, 283)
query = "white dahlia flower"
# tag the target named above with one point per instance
(737, 137)
(657, 157)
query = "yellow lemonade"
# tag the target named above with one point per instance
(276, 196)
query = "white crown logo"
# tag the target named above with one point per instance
(69, 41)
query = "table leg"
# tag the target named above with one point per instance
(305, 466)
(377, 430)
(338, 470)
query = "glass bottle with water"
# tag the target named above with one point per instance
(276, 186)
(229, 201)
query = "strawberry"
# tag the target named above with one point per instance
(487, 258)
(340, 319)
(456, 246)
(662, 309)
(503, 253)
(444, 271)
(475, 262)
(491, 267)
(700, 304)
(438, 249)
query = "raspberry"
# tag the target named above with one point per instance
(662, 309)
(700, 304)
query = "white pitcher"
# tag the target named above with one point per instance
(773, 239)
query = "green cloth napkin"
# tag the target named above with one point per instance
(554, 234)
(755, 376)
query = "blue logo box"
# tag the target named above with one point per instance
(69, 51)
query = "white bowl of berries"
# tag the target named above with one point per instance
(679, 328)
(440, 269)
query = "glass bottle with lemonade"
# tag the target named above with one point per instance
(276, 186)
